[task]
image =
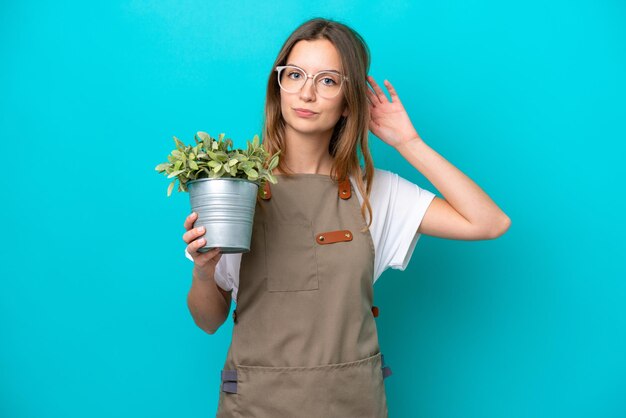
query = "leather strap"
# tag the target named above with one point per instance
(266, 193)
(331, 237)
(344, 189)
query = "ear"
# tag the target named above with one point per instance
(345, 112)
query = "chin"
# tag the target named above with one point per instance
(307, 125)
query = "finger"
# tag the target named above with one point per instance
(214, 254)
(193, 247)
(190, 220)
(379, 92)
(373, 99)
(392, 92)
(193, 234)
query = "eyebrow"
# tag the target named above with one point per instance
(336, 71)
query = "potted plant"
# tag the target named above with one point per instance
(223, 185)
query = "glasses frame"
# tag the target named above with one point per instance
(309, 76)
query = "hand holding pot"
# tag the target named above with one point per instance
(204, 263)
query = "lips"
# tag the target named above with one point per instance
(305, 111)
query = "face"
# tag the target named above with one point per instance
(312, 57)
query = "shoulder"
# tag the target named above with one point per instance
(381, 183)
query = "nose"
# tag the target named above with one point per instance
(307, 92)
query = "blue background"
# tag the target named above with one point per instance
(527, 99)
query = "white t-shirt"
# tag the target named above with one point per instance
(398, 207)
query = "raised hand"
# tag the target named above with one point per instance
(389, 120)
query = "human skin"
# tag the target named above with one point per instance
(208, 303)
(307, 139)
(466, 212)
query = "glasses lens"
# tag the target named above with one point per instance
(291, 79)
(328, 84)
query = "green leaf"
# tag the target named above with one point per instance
(251, 172)
(174, 173)
(170, 187)
(233, 162)
(162, 167)
(217, 168)
(255, 141)
(179, 144)
(203, 135)
(193, 165)
(273, 163)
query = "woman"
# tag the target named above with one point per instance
(304, 339)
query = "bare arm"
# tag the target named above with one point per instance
(208, 303)
(467, 212)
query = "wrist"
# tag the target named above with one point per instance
(202, 275)
(408, 142)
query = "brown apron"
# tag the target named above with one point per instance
(304, 340)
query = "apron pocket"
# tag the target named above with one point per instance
(358, 390)
(291, 259)
(346, 390)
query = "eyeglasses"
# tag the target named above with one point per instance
(326, 83)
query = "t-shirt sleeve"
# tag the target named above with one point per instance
(221, 272)
(406, 204)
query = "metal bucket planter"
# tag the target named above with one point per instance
(225, 207)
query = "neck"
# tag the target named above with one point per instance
(307, 153)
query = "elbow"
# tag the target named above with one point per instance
(202, 318)
(205, 328)
(500, 228)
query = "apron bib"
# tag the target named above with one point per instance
(304, 340)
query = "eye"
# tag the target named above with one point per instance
(297, 73)
(329, 79)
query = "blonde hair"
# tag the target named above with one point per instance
(350, 133)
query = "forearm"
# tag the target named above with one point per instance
(459, 190)
(206, 304)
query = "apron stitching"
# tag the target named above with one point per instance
(273, 369)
